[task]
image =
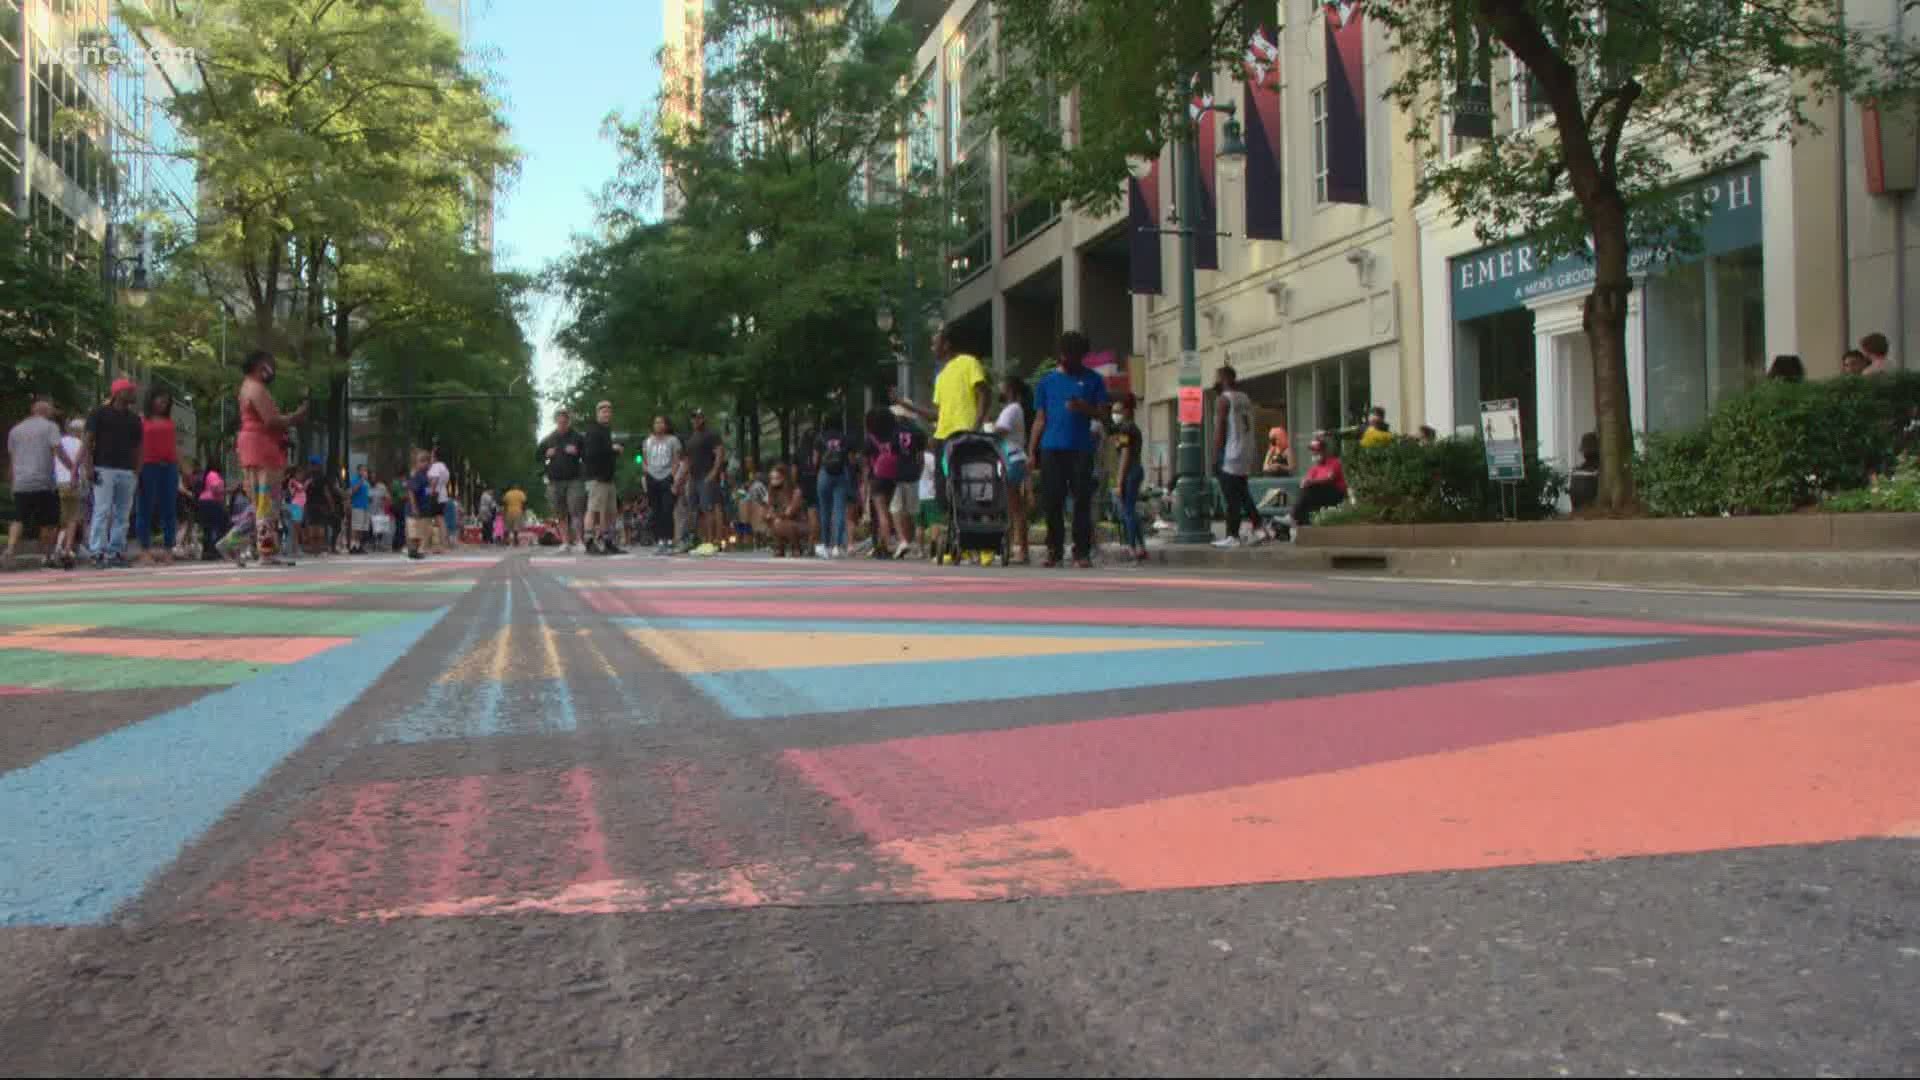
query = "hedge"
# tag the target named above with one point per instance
(1779, 447)
(1407, 482)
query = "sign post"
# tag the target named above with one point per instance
(1500, 431)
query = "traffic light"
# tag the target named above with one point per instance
(639, 459)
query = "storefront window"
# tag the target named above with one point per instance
(1493, 359)
(1705, 336)
(1327, 396)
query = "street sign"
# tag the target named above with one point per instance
(1192, 405)
(1500, 429)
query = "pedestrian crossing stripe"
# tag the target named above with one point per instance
(761, 670)
(696, 652)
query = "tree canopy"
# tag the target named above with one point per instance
(792, 225)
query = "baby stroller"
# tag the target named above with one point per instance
(976, 483)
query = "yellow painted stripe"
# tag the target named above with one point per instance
(697, 651)
(512, 653)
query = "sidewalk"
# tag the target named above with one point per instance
(1828, 569)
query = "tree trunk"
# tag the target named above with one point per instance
(1604, 315)
(785, 417)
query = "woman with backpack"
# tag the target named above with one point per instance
(883, 476)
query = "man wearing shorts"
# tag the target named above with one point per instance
(446, 523)
(601, 453)
(34, 448)
(707, 462)
(514, 504)
(561, 452)
(360, 503)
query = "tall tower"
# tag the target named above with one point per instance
(683, 72)
(454, 16)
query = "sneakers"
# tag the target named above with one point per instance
(607, 548)
(1227, 542)
(838, 553)
(821, 551)
(592, 547)
(900, 549)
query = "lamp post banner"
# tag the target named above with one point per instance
(1346, 102)
(1264, 219)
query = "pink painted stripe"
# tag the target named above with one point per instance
(950, 783)
(23, 691)
(1265, 619)
(388, 844)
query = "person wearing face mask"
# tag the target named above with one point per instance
(1127, 442)
(1325, 484)
(262, 448)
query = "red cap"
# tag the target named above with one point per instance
(124, 384)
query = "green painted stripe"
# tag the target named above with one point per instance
(357, 588)
(208, 618)
(59, 671)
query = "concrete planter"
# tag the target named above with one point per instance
(1784, 533)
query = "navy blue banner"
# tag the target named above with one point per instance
(1143, 233)
(1346, 102)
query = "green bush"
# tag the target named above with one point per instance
(1898, 492)
(1778, 447)
(1407, 482)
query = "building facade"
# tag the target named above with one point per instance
(683, 71)
(1798, 257)
(1312, 321)
(1315, 323)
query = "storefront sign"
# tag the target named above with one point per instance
(1192, 405)
(1509, 275)
(1500, 430)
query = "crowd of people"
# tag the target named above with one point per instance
(1068, 450)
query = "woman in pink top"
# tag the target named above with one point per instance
(210, 503)
(262, 447)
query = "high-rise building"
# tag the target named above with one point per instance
(683, 70)
(455, 16)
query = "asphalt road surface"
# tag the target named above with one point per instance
(573, 816)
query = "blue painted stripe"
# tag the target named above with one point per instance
(958, 629)
(87, 828)
(456, 709)
(852, 688)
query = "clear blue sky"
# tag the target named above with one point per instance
(564, 65)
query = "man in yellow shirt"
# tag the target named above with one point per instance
(960, 392)
(515, 503)
(1377, 433)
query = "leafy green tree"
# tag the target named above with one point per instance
(54, 320)
(338, 148)
(1631, 85)
(791, 226)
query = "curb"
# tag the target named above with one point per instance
(1788, 569)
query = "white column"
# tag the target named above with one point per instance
(1553, 320)
(1071, 314)
(1436, 328)
(1778, 264)
(1637, 358)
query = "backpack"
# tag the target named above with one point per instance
(910, 446)
(833, 454)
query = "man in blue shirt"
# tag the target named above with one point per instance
(360, 500)
(1066, 405)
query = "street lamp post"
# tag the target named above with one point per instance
(1191, 497)
(125, 283)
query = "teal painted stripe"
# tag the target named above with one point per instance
(949, 683)
(87, 828)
